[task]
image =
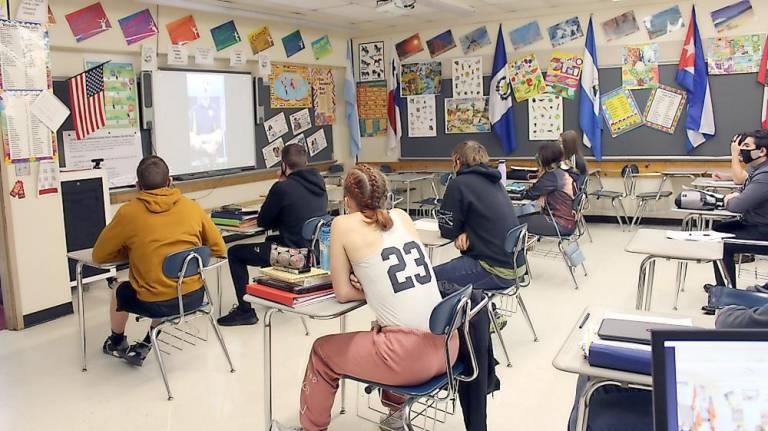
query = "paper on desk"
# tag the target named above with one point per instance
(590, 335)
(706, 235)
(50, 110)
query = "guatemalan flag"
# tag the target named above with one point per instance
(500, 101)
(590, 110)
(693, 76)
(761, 78)
(394, 101)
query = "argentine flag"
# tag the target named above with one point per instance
(500, 100)
(590, 111)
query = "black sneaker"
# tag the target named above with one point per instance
(137, 353)
(708, 287)
(117, 351)
(238, 317)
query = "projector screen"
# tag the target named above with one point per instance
(204, 121)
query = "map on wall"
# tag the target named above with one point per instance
(290, 86)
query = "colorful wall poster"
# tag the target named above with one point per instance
(276, 127)
(28, 11)
(474, 40)
(565, 31)
(732, 16)
(300, 121)
(371, 57)
(290, 86)
(372, 108)
(737, 54)
(526, 78)
(620, 111)
(467, 115)
(323, 95)
(409, 47)
(467, 75)
(183, 30)
(273, 152)
(121, 107)
(88, 22)
(620, 26)
(664, 107)
(225, 35)
(4, 9)
(421, 116)
(563, 73)
(664, 22)
(260, 40)
(293, 43)
(441, 43)
(316, 142)
(545, 117)
(299, 139)
(640, 66)
(138, 26)
(525, 35)
(322, 47)
(421, 78)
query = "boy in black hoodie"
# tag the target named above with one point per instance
(476, 213)
(296, 197)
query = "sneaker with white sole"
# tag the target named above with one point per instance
(392, 422)
(277, 426)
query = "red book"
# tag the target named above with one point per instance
(286, 298)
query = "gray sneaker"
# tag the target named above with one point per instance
(392, 422)
(277, 426)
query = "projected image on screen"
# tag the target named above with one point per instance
(207, 120)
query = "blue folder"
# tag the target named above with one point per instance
(620, 358)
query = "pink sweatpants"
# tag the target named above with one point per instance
(392, 355)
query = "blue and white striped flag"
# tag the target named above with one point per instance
(500, 100)
(350, 103)
(590, 111)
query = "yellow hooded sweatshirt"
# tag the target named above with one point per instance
(146, 230)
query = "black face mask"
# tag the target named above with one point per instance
(746, 155)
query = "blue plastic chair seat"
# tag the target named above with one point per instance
(429, 387)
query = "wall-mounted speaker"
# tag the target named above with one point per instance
(147, 112)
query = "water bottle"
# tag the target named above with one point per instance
(325, 243)
(503, 172)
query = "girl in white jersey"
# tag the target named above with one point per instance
(382, 249)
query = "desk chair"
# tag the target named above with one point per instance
(433, 203)
(581, 222)
(191, 262)
(632, 174)
(515, 245)
(451, 314)
(614, 196)
(568, 245)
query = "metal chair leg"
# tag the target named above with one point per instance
(527, 316)
(304, 323)
(586, 228)
(221, 342)
(568, 265)
(678, 284)
(498, 333)
(618, 217)
(153, 336)
(407, 414)
(624, 211)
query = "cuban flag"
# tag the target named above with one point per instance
(590, 110)
(350, 104)
(500, 103)
(693, 76)
(394, 101)
(761, 78)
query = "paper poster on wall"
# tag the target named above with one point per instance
(545, 117)
(237, 57)
(441, 44)
(50, 110)
(272, 152)
(260, 40)
(18, 190)
(88, 22)
(323, 96)
(24, 56)
(564, 73)
(620, 111)
(51, 18)
(204, 55)
(664, 22)
(120, 149)
(321, 47)
(526, 78)
(565, 31)
(421, 116)
(276, 127)
(138, 26)
(120, 95)
(264, 67)
(371, 57)
(290, 86)
(732, 16)
(664, 107)
(640, 66)
(467, 77)
(316, 142)
(620, 26)
(417, 79)
(4, 9)
(525, 35)
(475, 40)
(148, 57)
(467, 115)
(28, 11)
(737, 54)
(47, 178)
(183, 30)
(300, 121)
(372, 108)
(300, 140)
(293, 43)
(178, 55)
(225, 35)
(409, 47)
(25, 136)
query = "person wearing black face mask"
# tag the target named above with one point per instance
(751, 202)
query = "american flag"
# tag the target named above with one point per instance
(86, 95)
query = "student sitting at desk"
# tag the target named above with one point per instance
(751, 202)
(159, 222)
(476, 213)
(383, 250)
(297, 196)
(738, 174)
(555, 189)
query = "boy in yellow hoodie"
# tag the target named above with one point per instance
(160, 221)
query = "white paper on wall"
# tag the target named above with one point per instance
(545, 117)
(421, 116)
(467, 77)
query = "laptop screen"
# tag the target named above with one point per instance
(711, 384)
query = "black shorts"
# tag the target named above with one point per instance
(128, 301)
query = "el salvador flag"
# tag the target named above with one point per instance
(500, 103)
(590, 111)
(350, 104)
(693, 76)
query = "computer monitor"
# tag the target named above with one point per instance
(710, 380)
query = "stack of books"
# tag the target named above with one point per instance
(293, 290)
(241, 218)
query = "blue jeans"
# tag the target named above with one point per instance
(613, 408)
(465, 270)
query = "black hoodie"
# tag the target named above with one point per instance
(476, 203)
(291, 203)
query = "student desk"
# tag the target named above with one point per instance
(325, 310)
(702, 219)
(712, 184)
(407, 178)
(571, 359)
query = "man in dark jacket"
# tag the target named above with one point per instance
(477, 214)
(296, 197)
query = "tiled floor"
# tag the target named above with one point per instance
(42, 387)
